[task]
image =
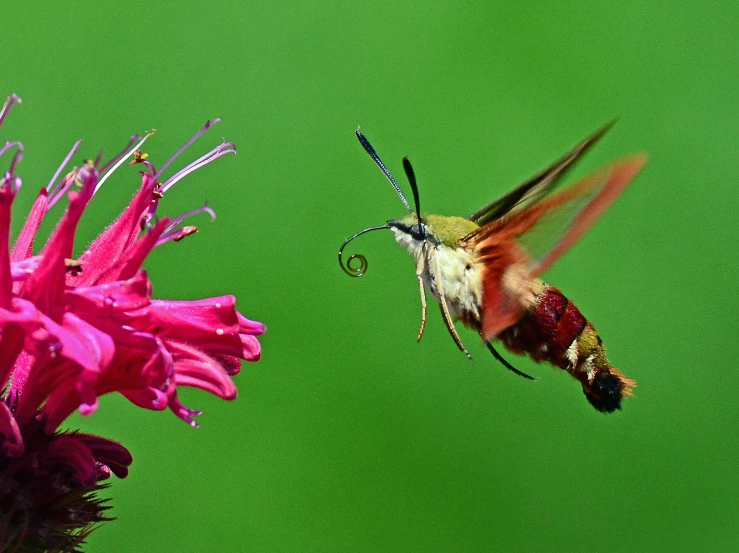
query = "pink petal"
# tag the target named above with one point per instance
(11, 441)
(73, 453)
(16, 323)
(46, 285)
(195, 369)
(6, 281)
(213, 325)
(110, 453)
(184, 413)
(105, 251)
(246, 326)
(24, 244)
(130, 263)
(111, 299)
(251, 348)
(148, 398)
(230, 364)
(87, 350)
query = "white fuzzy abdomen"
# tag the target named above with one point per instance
(460, 280)
(457, 271)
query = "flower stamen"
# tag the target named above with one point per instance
(10, 101)
(51, 188)
(138, 157)
(122, 159)
(222, 149)
(135, 138)
(16, 157)
(173, 231)
(186, 145)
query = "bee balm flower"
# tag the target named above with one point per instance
(72, 330)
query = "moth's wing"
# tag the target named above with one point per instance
(538, 186)
(533, 238)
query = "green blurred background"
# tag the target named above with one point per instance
(347, 435)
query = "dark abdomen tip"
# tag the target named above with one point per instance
(605, 392)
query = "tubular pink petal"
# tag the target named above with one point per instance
(21, 270)
(129, 265)
(6, 280)
(46, 285)
(110, 453)
(87, 350)
(62, 401)
(11, 441)
(147, 398)
(255, 328)
(11, 346)
(69, 451)
(211, 324)
(196, 369)
(32, 398)
(98, 345)
(18, 321)
(230, 363)
(111, 299)
(252, 350)
(184, 413)
(116, 239)
(24, 244)
(86, 409)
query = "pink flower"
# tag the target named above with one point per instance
(74, 330)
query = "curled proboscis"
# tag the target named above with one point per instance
(353, 269)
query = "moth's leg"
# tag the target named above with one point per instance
(420, 267)
(445, 309)
(423, 309)
(503, 362)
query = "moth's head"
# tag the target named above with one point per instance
(410, 233)
(436, 229)
(409, 229)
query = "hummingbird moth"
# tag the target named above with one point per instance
(484, 269)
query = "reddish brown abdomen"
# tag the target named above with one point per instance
(555, 331)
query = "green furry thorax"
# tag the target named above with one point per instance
(447, 230)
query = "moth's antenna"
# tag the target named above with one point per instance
(373, 154)
(408, 168)
(505, 363)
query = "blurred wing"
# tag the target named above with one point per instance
(538, 186)
(548, 228)
(585, 202)
(534, 237)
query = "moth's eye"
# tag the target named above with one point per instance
(418, 232)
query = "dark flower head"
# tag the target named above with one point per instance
(72, 330)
